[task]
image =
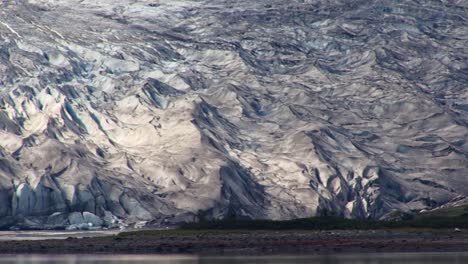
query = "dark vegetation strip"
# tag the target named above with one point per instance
(329, 223)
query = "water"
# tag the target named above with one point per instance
(43, 235)
(383, 258)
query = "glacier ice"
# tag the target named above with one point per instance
(159, 110)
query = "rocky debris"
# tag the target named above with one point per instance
(166, 111)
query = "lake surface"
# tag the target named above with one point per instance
(383, 258)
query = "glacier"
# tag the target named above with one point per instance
(162, 111)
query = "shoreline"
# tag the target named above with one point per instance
(38, 235)
(238, 242)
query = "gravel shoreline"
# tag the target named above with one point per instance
(249, 242)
